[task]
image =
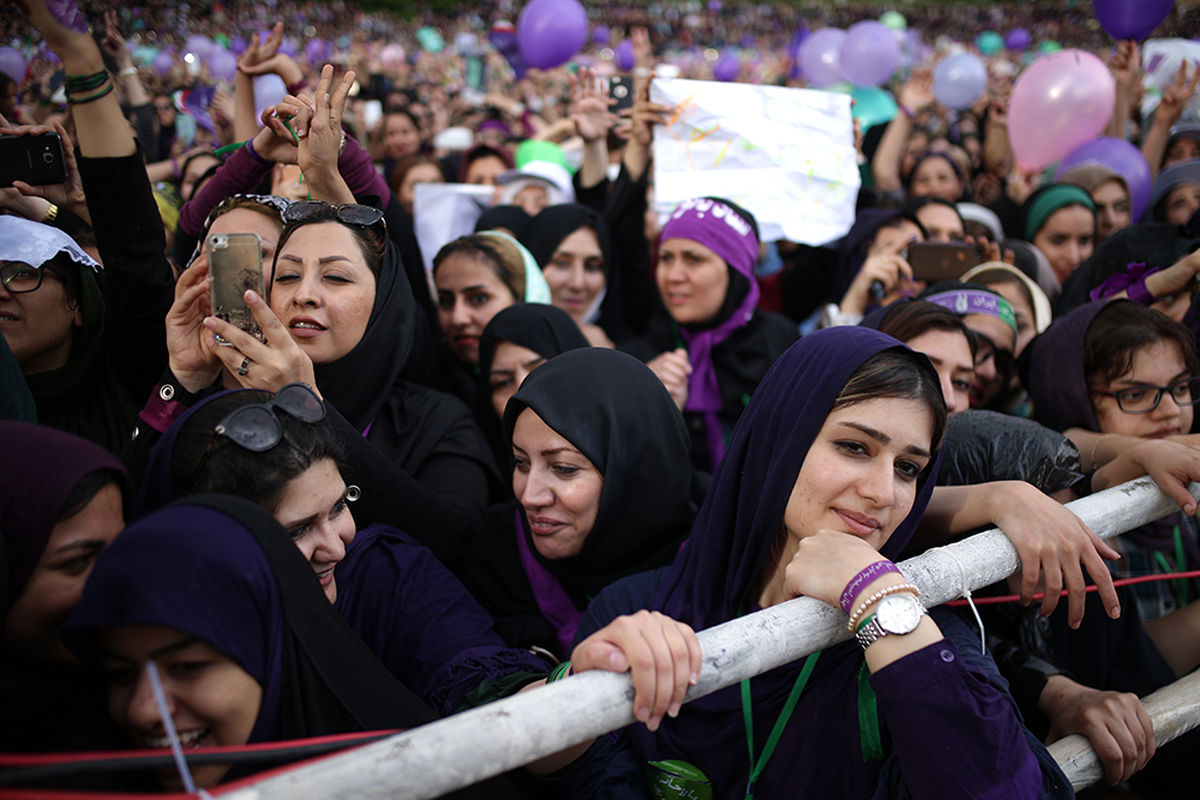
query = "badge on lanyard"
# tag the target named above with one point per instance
(677, 780)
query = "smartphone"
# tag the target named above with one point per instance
(620, 88)
(234, 265)
(941, 261)
(37, 160)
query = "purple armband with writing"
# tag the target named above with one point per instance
(862, 580)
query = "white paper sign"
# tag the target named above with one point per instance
(787, 155)
(442, 212)
(1161, 59)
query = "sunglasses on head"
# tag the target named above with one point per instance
(257, 428)
(359, 216)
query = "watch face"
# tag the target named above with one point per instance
(899, 614)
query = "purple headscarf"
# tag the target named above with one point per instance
(710, 583)
(1055, 380)
(40, 469)
(723, 230)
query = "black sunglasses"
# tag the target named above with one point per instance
(257, 428)
(359, 216)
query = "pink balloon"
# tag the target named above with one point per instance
(1059, 102)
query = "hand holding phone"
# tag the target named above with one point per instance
(37, 160)
(234, 266)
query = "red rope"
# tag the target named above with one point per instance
(1015, 598)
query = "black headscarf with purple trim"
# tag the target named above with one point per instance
(712, 580)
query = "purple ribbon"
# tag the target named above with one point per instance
(551, 597)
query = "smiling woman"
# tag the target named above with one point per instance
(603, 489)
(61, 504)
(246, 647)
(826, 477)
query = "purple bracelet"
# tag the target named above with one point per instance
(862, 580)
(254, 153)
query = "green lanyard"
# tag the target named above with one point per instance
(1180, 587)
(756, 768)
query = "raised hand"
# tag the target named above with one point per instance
(589, 106)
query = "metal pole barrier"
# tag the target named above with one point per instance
(1173, 710)
(466, 748)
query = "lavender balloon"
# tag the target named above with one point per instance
(820, 57)
(12, 64)
(1131, 19)
(958, 80)
(1122, 158)
(1018, 39)
(268, 90)
(223, 65)
(602, 34)
(624, 56)
(727, 67)
(551, 31)
(163, 62)
(870, 53)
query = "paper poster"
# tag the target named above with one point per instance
(1161, 59)
(442, 212)
(787, 155)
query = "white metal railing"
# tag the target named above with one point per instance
(469, 747)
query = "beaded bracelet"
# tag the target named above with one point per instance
(563, 670)
(876, 597)
(77, 101)
(862, 580)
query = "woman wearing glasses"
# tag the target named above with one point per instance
(342, 318)
(1109, 376)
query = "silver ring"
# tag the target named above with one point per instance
(245, 367)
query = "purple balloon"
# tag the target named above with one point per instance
(268, 90)
(624, 56)
(238, 45)
(1122, 158)
(959, 79)
(728, 67)
(551, 31)
(223, 65)
(314, 51)
(1131, 19)
(202, 46)
(820, 57)
(715, 5)
(163, 62)
(870, 53)
(1017, 39)
(602, 34)
(12, 64)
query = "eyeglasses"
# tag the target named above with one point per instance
(257, 428)
(19, 277)
(359, 216)
(1144, 399)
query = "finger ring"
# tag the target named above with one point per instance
(245, 367)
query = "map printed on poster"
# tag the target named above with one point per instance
(787, 155)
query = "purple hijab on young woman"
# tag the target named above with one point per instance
(945, 730)
(722, 230)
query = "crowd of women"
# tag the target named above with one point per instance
(576, 439)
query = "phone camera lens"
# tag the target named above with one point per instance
(48, 158)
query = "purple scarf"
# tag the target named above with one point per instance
(722, 230)
(552, 598)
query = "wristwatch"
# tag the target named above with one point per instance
(895, 614)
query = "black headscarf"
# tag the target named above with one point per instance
(620, 416)
(511, 218)
(555, 223)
